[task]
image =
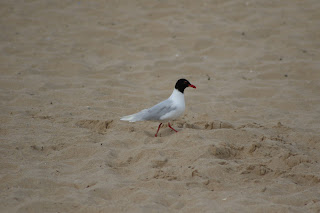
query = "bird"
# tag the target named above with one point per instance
(167, 110)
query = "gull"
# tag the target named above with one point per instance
(165, 111)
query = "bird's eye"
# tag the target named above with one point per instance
(185, 82)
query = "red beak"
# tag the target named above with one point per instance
(190, 85)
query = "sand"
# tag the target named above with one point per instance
(249, 140)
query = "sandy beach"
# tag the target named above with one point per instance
(249, 140)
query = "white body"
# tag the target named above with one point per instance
(166, 110)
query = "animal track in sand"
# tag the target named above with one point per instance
(44, 117)
(224, 151)
(205, 125)
(96, 125)
(258, 169)
(42, 148)
(304, 179)
(167, 175)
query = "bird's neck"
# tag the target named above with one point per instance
(177, 95)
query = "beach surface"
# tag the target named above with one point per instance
(249, 140)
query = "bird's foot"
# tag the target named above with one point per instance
(172, 127)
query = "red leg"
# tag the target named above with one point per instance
(172, 128)
(158, 130)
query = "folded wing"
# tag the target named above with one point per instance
(157, 112)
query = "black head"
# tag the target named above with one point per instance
(182, 84)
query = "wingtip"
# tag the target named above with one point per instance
(127, 118)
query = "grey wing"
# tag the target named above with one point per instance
(158, 110)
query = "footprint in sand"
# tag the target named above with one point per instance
(95, 125)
